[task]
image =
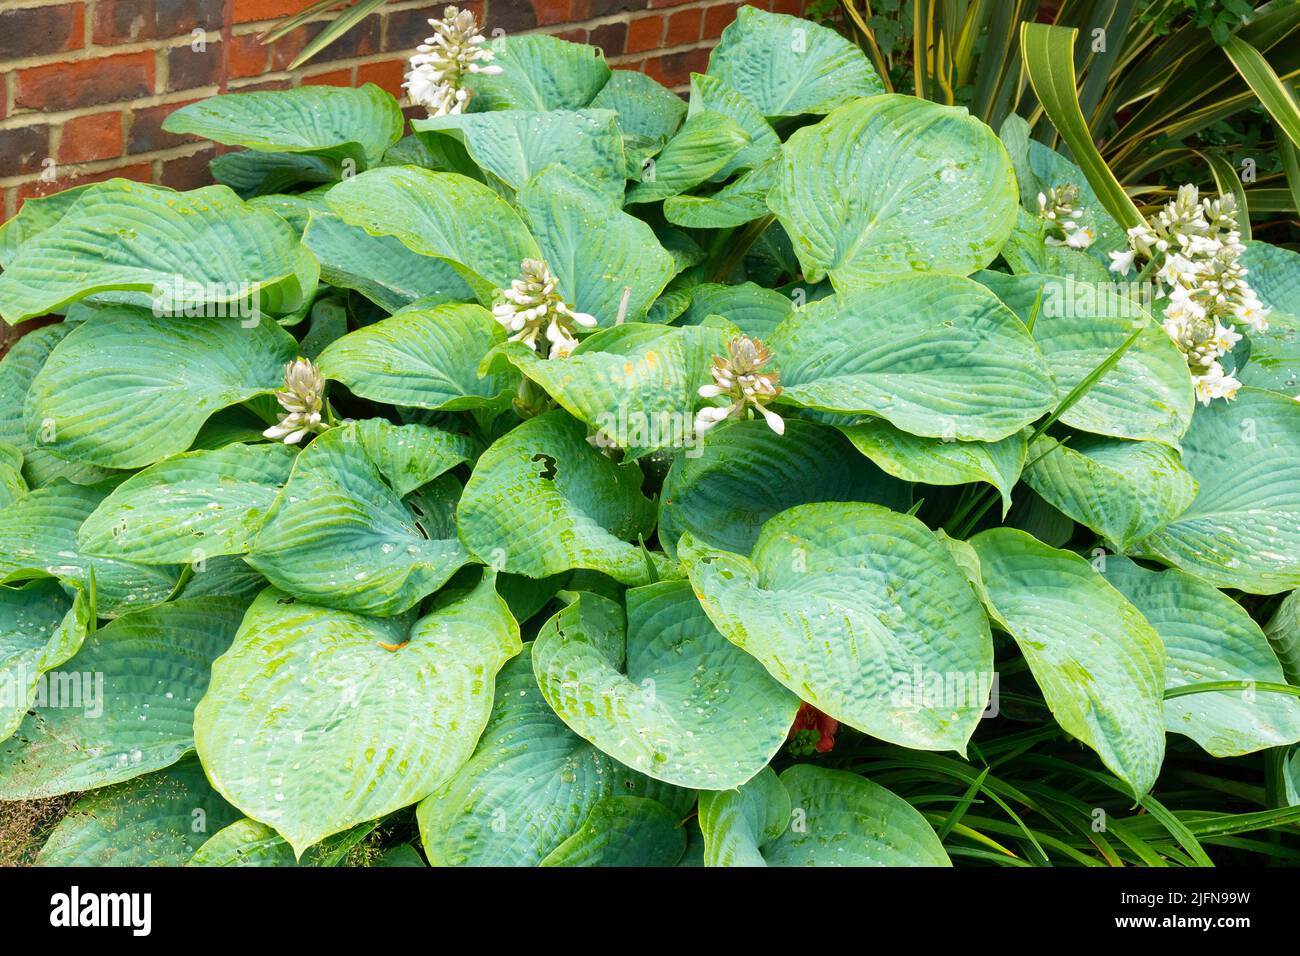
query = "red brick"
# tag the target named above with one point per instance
(141, 172)
(387, 75)
(249, 11)
(667, 3)
(550, 12)
(577, 35)
(675, 69)
(42, 30)
(64, 86)
(187, 172)
(23, 149)
(585, 9)
(333, 78)
(87, 138)
(683, 27)
(645, 34)
(406, 29)
(247, 56)
(611, 37)
(127, 21)
(264, 85)
(792, 7)
(4, 94)
(717, 19)
(188, 68)
(146, 133)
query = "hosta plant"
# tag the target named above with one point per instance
(795, 474)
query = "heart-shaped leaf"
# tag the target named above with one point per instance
(530, 785)
(623, 831)
(542, 500)
(1243, 529)
(539, 73)
(515, 145)
(812, 816)
(189, 508)
(1123, 490)
(445, 215)
(159, 819)
(339, 123)
(744, 473)
(204, 250)
(340, 534)
(424, 358)
(861, 612)
(123, 705)
(787, 66)
(1099, 664)
(368, 715)
(892, 185)
(1210, 637)
(937, 356)
(665, 693)
(156, 381)
(40, 628)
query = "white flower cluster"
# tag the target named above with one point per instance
(438, 69)
(1195, 247)
(1058, 207)
(738, 375)
(301, 398)
(532, 304)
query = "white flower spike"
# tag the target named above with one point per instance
(532, 304)
(738, 376)
(456, 49)
(302, 398)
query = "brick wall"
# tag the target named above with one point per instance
(85, 84)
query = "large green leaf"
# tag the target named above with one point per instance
(340, 534)
(738, 202)
(156, 381)
(665, 693)
(339, 123)
(424, 358)
(39, 213)
(312, 725)
(249, 843)
(636, 384)
(711, 93)
(124, 704)
(539, 73)
(1099, 664)
(530, 785)
(38, 538)
(788, 66)
(515, 145)
(40, 628)
(445, 215)
(19, 366)
(861, 612)
(648, 115)
(203, 250)
(937, 356)
(1123, 490)
(744, 473)
(812, 816)
(623, 831)
(1243, 529)
(1210, 637)
(754, 310)
(893, 185)
(940, 461)
(1078, 325)
(189, 508)
(1283, 632)
(1274, 356)
(542, 500)
(705, 145)
(379, 267)
(616, 279)
(156, 820)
